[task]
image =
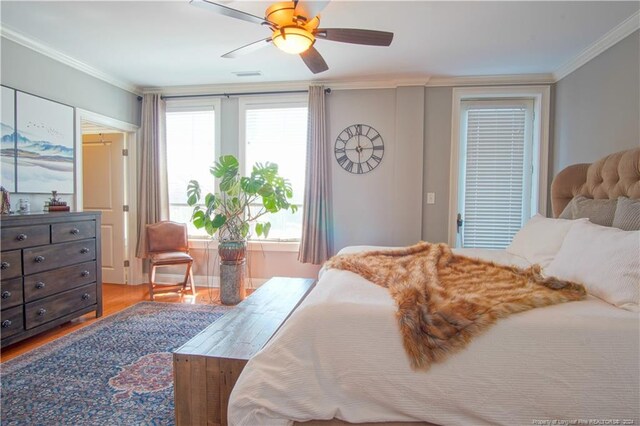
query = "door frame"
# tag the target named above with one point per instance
(134, 274)
(541, 96)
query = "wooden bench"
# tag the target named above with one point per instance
(206, 368)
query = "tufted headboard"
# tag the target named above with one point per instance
(610, 177)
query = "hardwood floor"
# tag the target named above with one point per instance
(116, 297)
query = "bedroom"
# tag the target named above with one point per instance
(99, 58)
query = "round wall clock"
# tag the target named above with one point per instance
(359, 149)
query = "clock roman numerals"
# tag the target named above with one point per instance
(359, 149)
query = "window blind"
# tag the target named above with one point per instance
(190, 153)
(278, 134)
(496, 192)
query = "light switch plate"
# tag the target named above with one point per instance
(431, 197)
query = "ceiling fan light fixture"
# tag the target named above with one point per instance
(294, 40)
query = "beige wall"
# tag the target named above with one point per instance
(597, 107)
(384, 206)
(437, 159)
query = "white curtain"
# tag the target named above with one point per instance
(315, 246)
(153, 192)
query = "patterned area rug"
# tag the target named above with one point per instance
(116, 371)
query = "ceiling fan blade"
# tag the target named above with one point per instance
(356, 36)
(314, 60)
(310, 8)
(228, 11)
(251, 47)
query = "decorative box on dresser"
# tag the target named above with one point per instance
(50, 273)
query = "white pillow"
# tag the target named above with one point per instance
(540, 239)
(605, 260)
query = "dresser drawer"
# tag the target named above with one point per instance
(52, 307)
(10, 264)
(57, 255)
(45, 284)
(10, 293)
(11, 321)
(25, 236)
(72, 231)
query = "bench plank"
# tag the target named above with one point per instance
(207, 367)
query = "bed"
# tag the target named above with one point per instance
(339, 358)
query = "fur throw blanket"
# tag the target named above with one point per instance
(444, 299)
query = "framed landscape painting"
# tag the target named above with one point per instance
(8, 141)
(45, 145)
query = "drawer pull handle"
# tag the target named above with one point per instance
(6, 323)
(84, 250)
(21, 237)
(40, 285)
(39, 259)
(6, 294)
(42, 311)
(75, 231)
(85, 296)
(5, 265)
(85, 273)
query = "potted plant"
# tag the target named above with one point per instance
(237, 207)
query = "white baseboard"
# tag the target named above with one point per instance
(204, 281)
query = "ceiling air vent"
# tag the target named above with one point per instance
(247, 73)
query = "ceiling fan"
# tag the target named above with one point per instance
(294, 26)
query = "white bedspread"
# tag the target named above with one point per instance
(340, 355)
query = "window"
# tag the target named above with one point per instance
(495, 195)
(276, 132)
(498, 163)
(191, 151)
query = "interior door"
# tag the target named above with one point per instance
(103, 190)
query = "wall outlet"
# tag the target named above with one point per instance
(431, 197)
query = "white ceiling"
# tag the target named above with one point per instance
(171, 43)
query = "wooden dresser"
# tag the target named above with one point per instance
(50, 271)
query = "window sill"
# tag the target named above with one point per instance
(253, 245)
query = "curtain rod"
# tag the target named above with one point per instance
(226, 95)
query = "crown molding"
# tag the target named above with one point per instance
(43, 49)
(284, 86)
(490, 80)
(623, 30)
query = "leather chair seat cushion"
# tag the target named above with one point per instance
(170, 257)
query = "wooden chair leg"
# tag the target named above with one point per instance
(193, 283)
(186, 277)
(152, 278)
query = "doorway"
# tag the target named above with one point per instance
(104, 167)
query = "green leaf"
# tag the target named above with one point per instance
(227, 165)
(244, 229)
(266, 190)
(270, 204)
(219, 220)
(227, 183)
(209, 200)
(294, 208)
(265, 230)
(258, 229)
(193, 192)
(209, 228)
(198, 219)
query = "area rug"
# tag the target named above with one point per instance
(116, 371)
